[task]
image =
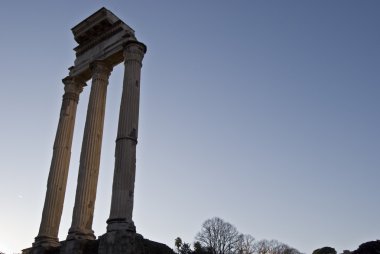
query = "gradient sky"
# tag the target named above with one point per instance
(264, 113)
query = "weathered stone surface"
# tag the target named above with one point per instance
(59, 169)
(126, 141)
(42, 250)
(78, 247)
(81, 227)
(126, 242)
(116, 242)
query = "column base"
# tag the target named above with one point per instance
(120, 224)
(46, 241)
(115, 242)
(80, 234)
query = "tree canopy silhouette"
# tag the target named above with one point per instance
(325, 250)
(220, 236)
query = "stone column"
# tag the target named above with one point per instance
(81, 227)
(126, 141)
(56, 185)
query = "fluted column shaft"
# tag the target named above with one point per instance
(81, 227)
(126, 141)
(57, 180)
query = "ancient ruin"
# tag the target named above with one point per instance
(104, 41)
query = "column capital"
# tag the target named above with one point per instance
(73, 87)
(134, 50)
(100, 67)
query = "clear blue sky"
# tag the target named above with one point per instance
(264, 113)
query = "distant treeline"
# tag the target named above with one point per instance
(219, 237)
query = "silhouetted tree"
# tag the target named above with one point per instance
(178, 244)
(291, 250)
(220, 236)
(368, 247)
(273, 247)
(281, 248)
(325, 250)
(185, 249)
(246, 244)
(199, 249)
(197, 246)
(182, 247)
(263, 247)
